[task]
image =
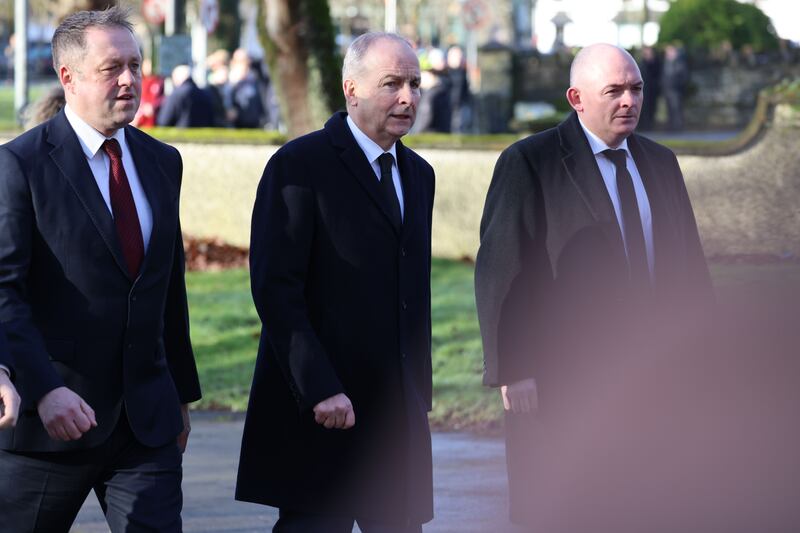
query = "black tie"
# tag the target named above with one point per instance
(631, 220)
(387, 187)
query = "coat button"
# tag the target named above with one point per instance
(404, 305)
(403, 251)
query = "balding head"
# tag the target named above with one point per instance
(606, 91)
(595, 59)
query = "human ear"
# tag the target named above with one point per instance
(574, 99)
(349, 87)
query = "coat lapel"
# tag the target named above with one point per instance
(411, 190)
(581, 167)
(655, 198)
(356, 162)
(68, 156)
(152, 178)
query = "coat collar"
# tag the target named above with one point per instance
(359, 167)
(581, 167)
(69, 157)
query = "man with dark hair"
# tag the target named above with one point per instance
(93, 300)
(337, 427)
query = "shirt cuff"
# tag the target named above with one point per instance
(6, 370)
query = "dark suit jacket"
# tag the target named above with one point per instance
(344, 302)
(551, 279)
(5, 355)
(552, 255)
(188, 106)
(72, 314)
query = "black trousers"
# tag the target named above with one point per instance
(298, 522)
(139, 488)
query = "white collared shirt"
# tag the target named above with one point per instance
(609, 173)
(373, 152)
(91, 141)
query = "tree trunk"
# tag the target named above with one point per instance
(289, 61)
(305, 66)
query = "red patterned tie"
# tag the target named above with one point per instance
(124, 209)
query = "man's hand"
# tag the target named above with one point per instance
(520, 397)
(9, 402)
(65, 415)
(335, 412)
(183, 438)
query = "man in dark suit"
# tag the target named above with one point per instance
(93, 299)
(589, 252)
(337, 428)
(188, 106)
(9, 399)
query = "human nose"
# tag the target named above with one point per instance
(406, 94)
(127, 77)
(628, 99)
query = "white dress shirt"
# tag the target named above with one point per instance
(373, 152)
(91, 142)
(609, 173)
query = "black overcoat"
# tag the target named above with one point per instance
(551, 280)
(72, 314)
(344, 301)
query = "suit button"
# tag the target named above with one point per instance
(130, 346)
(403, 252)
(133, 298)
(403, 355)
(404, 305)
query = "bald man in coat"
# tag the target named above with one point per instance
(588, 247)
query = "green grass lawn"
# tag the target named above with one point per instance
(225, 331)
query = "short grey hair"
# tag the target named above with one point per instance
(359, 47)
(70, 36)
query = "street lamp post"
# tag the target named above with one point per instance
(20, 57)
(390, 18)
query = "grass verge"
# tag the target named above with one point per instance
(225, 329)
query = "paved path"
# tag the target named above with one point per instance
(469, 484)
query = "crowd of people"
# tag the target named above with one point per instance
(238, 94)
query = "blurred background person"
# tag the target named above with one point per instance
(674, 81)
(650, 67)
(247, 106)
(218, 87)
(45, 108)
(188, 106)
(434, 112)
(460, 96)
(152, 97)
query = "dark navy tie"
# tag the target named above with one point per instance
(387, 187)
(631, 220)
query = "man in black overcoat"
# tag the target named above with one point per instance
(337, 429)
(93, 300)
(589, 255)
